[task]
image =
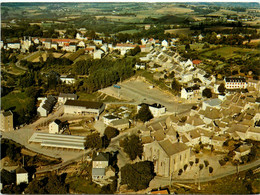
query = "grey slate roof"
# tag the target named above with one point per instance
(7, 113)
(87, 104)
(101, 157)
(70, 95)
(172, 149)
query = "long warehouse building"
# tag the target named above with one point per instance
(83, 107)
(59, 141)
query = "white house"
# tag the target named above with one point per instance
(140, 66)
(165, 43)
(156, 109)
(15, 45)
(63, 97)
(186, 77)
(104, 48)
(55, 126)
(67, 80)
(46, 105)
(235, 83)
(190, 92)
(143, 41)
(98, 42)
(83, 107)
(98, 54)
(81, 44)
(21, 176)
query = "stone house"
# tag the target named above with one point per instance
(120, 124)
(6, 121)
(55, 126)
(167, 157)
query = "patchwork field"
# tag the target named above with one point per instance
(173, 9)
(179, 31)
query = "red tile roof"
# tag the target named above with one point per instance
(196, 62)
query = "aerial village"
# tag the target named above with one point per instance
(210, 127)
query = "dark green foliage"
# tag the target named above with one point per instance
(53, 184)
(187, 47)
(111, 132)
(210, 169)
(7, 178)
(207, 93)
(135, 51)
(185, 167)
(144, 114)
(206, 163)
(180, 172)
(221, 88)
(137, 176)
(176, 86)
(201, 166)
(222, 162)
(10, 149)
(93, 141)
(191, 163)
(197, 160)
(132, 146)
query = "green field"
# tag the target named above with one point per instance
(230, 52)
(130, 31)
(15, 100)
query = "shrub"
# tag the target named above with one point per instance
(210, 169)
(201, 166)
(197, 160)
(222, 162)
(185, 167)
(191, 163)
(180, 172)
(206, 163)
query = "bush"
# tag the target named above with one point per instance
(207, 93)
(180, 172)
(206, 163)
(201, 166)
(191, 163)
(144, 114)
(197, 160)
(210, 170)
(185, 167)
(111, 132)
(222, 162)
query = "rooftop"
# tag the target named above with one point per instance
(101, 157)
(172, 149)
(87, 104)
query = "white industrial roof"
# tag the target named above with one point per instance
(59, 141)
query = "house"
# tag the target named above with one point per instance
(157, 76)
(196, 62)
(55, 126)
(67, 79)
(165, 43)
(81, 44)
(211, 103)
(140, 66)
(120, 124)
(167, 157)
(242, 150)
(98, 42)
(54, 45)
(218, 141)
(254, 84)
(253, 133)
(46, 106)
(14, 45)
(63, 97)
(21, 176)
(235, 83)
(156, 109)
(186, 77)
(72, 47)
(83, 107)
(190, 92)
(6, 121)
(104, 48)
(107, 119)
(89, 50)
(98, 54)
(99, 165)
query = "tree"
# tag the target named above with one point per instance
(206, 163)
(222, 162)
(221, 88)
(201, 166)
(180, 172)
(137, 176)
(185, 167)
(93, 141)
(210, 169)
(132, 146)
(207, 93)
(176, 86)
(191, 163)
(144, 114)
(187, 47)
(197, 160)
(111, 132)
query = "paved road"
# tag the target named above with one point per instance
(18, 62)
(163, 181)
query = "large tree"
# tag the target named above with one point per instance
(111, 132)
(132, 145)
(137, 176)
(207, 93)
(93, 141)
(144, 114)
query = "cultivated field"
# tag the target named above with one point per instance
(179, 31)
(173, 9)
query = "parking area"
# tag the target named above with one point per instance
(139, 91)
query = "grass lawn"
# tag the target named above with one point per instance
(130, 31)
(16, 100)
(96, 96)
(229, 52)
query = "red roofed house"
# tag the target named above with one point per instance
(196, 62)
